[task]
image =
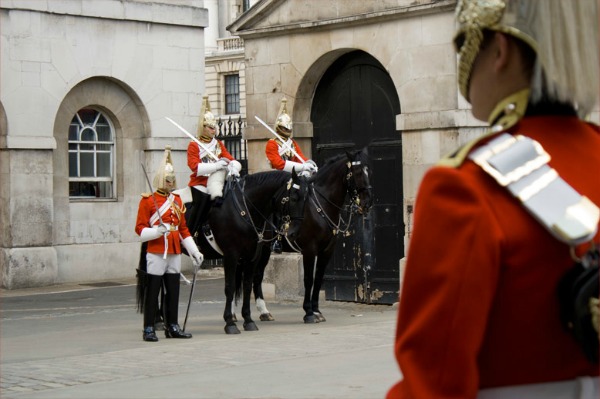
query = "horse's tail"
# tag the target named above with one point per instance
(141, 278)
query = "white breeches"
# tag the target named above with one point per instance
(215, 182)
(158, 266)
(579, 388)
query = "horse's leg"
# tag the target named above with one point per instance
(309, 267)
(322, 261)
(259, 275)
(249, 324)
(229, 266)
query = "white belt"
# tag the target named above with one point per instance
(579, 388)
(171, 227)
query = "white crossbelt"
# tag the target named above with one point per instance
(521, 165)
(579, 388)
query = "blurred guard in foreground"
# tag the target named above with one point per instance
(503, 224)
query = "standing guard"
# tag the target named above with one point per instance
(161, 223)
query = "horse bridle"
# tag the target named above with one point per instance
(342, 227)
(244, 211)
(353, 188)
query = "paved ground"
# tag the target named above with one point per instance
(80, 341)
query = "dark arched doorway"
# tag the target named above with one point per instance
(355, 105)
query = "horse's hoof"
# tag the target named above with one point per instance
(310, 319)
(320, 317)
(266, 317)
(251, 326)
(232, 329)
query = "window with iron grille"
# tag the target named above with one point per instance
(232, 94)
(91, 155)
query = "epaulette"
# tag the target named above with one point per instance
(146, 195)
(175, 194)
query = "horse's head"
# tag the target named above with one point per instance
(294, 201)
(359, 184)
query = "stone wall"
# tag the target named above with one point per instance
(135, 61)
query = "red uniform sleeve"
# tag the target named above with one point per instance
(145, 210)
(272, 151)
(277, 162)
(448, 289)
(193, 157)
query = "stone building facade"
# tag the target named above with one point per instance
(85, 89)
(295, 48)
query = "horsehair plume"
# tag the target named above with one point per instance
(567, 65)
(204, 108)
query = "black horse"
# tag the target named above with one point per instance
(240, 227)
(343, 177)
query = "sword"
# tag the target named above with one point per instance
(209, 152)
(284, 142)
(191, 295)
(157, 209)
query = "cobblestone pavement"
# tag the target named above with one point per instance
(87, 344)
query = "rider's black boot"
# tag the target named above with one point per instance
(172, 329)
(153, 284)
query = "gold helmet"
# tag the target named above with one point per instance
(283, 124)
(166, 172)
(206, 119)
(563, 34)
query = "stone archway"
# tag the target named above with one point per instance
(131, 124)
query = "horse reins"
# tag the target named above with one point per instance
(337, 229)
(247, 217)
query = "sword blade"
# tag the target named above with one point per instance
(209, 152)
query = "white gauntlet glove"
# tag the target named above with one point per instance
(222, 163)
(310, 166)
(192, 250)
(234, 168)
(152, 233)
(289, 165)
(208, 168)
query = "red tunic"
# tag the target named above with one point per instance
(193, 159)
(478, 306)
(173, 216)
(276, 160)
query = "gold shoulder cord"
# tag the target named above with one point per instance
(507, 113)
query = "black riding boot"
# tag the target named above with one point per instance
(172, 329)
(150, 305)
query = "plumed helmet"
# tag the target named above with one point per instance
(206, 117)
(283, 123)
(165, 171)
(563, 34)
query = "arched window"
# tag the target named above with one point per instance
(91, 155)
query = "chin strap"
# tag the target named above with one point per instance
(521, 165)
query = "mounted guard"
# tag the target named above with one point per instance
(282, 151)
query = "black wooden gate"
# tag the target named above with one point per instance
(355, 105)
